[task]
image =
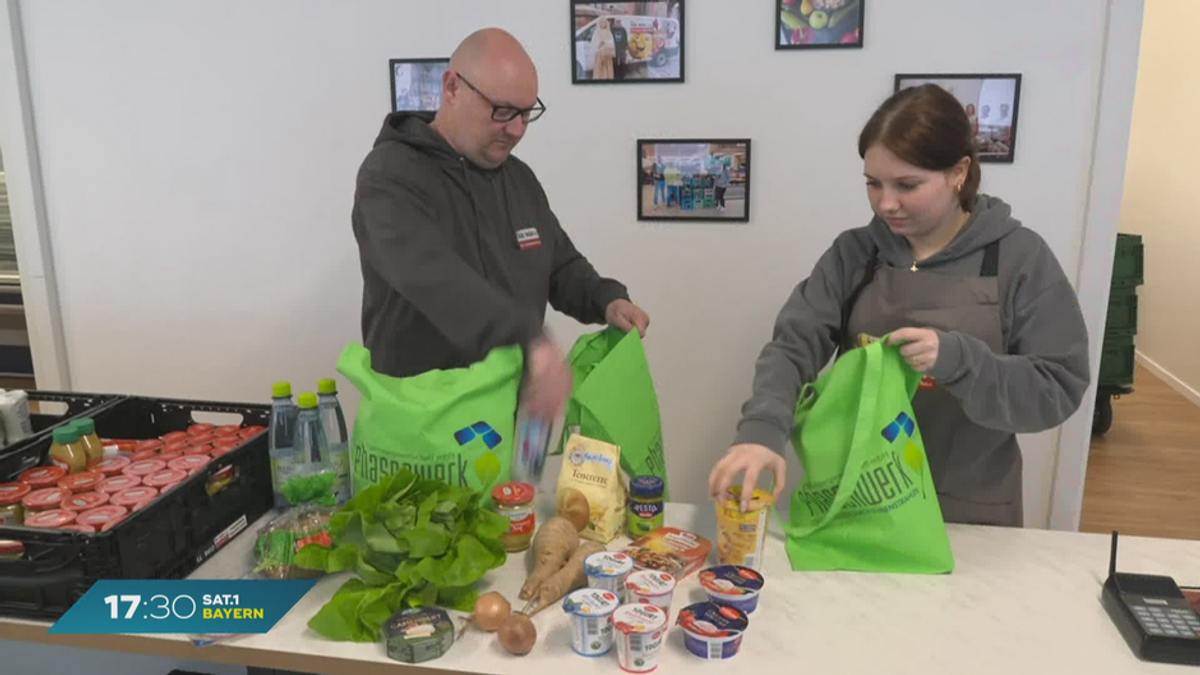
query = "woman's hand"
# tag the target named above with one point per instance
(751, 459)
(920, 348)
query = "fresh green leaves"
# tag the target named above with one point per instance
(413, 543)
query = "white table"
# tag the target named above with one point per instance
(1019, 601)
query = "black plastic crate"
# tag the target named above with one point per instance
(165, 540)
(1122, 309)
(1118, 362)
(44, 420)
(1129, 261)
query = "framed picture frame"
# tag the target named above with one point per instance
(992, 102)
(627, 42)
(819, 24)
(693, 179)
(417, 83)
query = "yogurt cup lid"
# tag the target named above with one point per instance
(81, 482)
(650, 582)
(639, 618)
(608, 564)
(52, 519)
(85, 501)
(101, 515)
(118, 483)
(731, 580)
(133, 496)
(13, 493)
(710, 620)
(45, 498)
(591, 602)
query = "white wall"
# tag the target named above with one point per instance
(1158, 203)
(199, 162)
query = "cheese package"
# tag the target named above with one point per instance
(594, 468)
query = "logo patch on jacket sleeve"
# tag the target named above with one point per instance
(529, 238)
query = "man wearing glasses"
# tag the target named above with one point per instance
(460, 251)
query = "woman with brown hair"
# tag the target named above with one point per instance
(980, 304)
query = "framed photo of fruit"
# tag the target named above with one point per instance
(417, 83)
(626, 42)
(706, 179)
(819, 24)
(991, 102)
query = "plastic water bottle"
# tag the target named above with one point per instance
(333, 422)
(282, 437)
(311, 446)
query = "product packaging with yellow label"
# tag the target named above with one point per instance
(594, 468)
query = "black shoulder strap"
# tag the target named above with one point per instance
(991, 260)
(841, 338)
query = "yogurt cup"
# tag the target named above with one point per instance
(650, 587)
(591, 611)
(608, 570)
(733, 585)
(639, 631)
(711, 631)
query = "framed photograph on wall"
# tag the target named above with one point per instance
(704, 179)
(991, 102)
(626, 42)
(417, 83)
(819, 24)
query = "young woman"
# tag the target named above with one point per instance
(980, 304)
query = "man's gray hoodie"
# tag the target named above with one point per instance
(456, 259)
(1035, 385)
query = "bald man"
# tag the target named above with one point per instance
(460, 251)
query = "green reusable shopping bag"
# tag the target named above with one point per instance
(867, 501)
(451, 425)
(614, 400)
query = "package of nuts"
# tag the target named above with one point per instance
(671, 550)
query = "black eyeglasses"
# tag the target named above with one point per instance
(508, 113)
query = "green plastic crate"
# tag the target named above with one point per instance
(1117, 362)
(1122, 310)
(1128, 262)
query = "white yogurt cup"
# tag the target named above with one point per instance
(640, 631)
(607, 570)
(651, 587)
(591, 611)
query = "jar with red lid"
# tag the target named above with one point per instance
(202, 439)
(132, 496)
(169, 456)
(149, 444)
(46, 499)
(85, 501)
(12, 511)
(102, 515)
(11, 550)
(118, 484)
(200, 429)
(42, 476)
(143, 455)
(175, 437)
(165, 477)
(51, 520)
(251, 432)
(189, 463)
(81, 482)
(145, 468)
(110, 466)
(515, 502)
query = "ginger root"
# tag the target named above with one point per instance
(567, 579)
(553, 545)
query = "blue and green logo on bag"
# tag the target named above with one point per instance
(481, 430)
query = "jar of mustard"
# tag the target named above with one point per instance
(12, 512)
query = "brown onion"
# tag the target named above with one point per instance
(491, 609)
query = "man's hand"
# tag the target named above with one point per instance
(750, 460)
(547, 379)
(920, 347)
(625, 315)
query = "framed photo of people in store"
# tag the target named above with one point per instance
(417, 83)
(819, 24)
(626, 42)
(991, 102)
(705, 179)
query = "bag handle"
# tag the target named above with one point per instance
(860, 440)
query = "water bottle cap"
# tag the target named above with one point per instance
(308, 400)
(327, 386)
(281, 389)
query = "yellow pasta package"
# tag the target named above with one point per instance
(594, 468)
